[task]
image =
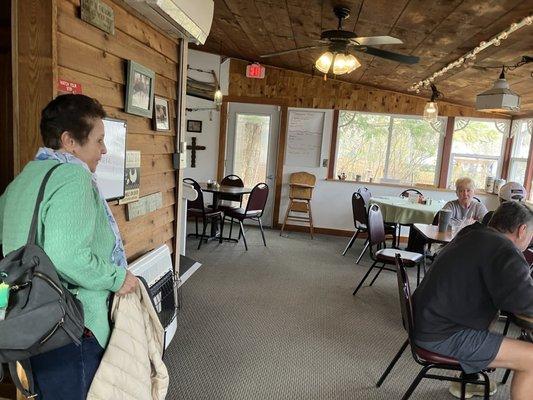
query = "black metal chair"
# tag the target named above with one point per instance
(383, 255)
(360, 219)
(228, 201)
(427, 359)
(406, 193)
(197, 209)
(254, 211)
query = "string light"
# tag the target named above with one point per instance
(468, 59)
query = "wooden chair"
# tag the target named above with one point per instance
(301, 186)
(427, 359)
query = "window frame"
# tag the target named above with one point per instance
(500, 159)
(440, 149)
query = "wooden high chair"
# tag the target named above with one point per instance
(301, 186)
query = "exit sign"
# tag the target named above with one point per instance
(255, 70)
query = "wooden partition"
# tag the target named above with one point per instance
(304, 90)
(97, 61)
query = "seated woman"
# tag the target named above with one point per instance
(465, 207)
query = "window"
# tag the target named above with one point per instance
(520, 152)
(477, 149)
(386, 148)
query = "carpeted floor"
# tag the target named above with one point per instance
(280, 322)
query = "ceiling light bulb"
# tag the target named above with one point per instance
(324, 62)
(431, 111)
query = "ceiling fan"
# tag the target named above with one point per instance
(340, 45)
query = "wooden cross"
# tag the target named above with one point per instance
(193, 148)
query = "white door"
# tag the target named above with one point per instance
(251, 150)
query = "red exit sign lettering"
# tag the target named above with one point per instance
(255, 70)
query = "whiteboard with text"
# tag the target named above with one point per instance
(110, 170)
(304, 138)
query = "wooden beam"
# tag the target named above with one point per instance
(507, 157)
(222, 140)
(446, 153)
(333, 144)
(529, 170)
(280, 161)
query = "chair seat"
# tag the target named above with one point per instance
(408, 257)
(240, 213)
(434, 358)
(300, 206)
(227, 207)
(196, 212)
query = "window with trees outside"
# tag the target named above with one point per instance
(477, 149)
(388, 148)
(521, 131)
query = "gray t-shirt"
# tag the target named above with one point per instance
(476, 210)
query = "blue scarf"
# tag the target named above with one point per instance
(118, 256)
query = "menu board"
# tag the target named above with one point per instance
(110, 170)
(304, 138)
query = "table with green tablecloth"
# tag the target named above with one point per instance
(401, 211)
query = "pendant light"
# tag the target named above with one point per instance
(499, 97)
(431, 110)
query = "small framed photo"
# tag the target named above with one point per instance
(139, 90)
(194, 126)
(161, 114)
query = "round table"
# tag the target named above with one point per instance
(401, 211)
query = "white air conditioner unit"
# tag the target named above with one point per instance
(178, 18)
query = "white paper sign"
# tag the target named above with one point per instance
(110, 170)
(304, 138)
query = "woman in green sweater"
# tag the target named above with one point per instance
(76, 230)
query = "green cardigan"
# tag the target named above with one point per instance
(73, 231)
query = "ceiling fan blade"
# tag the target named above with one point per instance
(375, 40)
(280, 53)
(389, 55)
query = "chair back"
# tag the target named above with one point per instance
(365, 193)
(360, 217)
(376, 227)
(477, 199)
(258, 198)
(197, 204)
(406, 304)
(231, 180)
(409, 191)
(298, 192)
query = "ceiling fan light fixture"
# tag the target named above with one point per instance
(323, 64)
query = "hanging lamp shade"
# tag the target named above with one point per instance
(337, 63)
(499, 97)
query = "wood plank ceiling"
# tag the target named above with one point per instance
(438, 31)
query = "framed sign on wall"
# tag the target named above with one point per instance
(110, 170)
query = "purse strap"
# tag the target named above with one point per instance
(33, 227)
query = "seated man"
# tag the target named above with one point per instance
(511, 191)
(479, 273)
(465, 207)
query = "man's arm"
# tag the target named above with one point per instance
(509, 282)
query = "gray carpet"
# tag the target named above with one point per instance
(280, 322)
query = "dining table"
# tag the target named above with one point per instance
(432, 234)
(401, 210)
(218, 190)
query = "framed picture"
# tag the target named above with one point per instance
(139, 90)
(194, 126)
(161, 114)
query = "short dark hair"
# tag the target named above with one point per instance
(510, 215)
(69, 112)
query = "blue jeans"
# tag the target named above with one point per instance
(66, 373)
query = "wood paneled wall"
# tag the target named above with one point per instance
(6, 97)
(55, 43)
(303, 90)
